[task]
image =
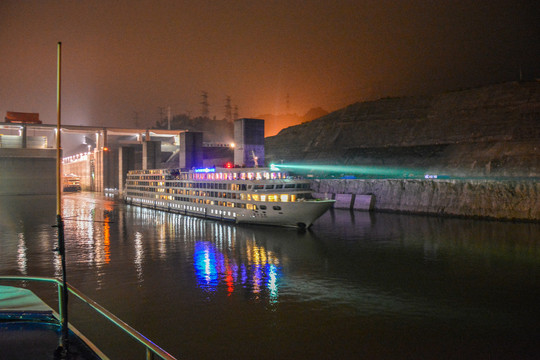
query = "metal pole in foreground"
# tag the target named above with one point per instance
(63, 346)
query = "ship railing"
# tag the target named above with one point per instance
(151, 349)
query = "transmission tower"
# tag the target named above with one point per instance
(228, 109)
(205, 106)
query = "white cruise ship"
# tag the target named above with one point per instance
(242, 195)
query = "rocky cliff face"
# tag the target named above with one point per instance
(492, 130)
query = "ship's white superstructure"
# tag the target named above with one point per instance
(242, 195)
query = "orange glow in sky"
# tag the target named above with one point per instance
(125, 62)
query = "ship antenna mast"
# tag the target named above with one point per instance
(255, 159)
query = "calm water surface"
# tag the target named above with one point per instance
(356, 286)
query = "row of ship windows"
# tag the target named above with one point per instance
(175, 175)
(245, 197)
(224, 195)
(197, 209)
(207, 202)
(219, 186)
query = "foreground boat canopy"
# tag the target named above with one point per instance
(18, 299)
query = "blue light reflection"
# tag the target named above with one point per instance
(205, 265)
(217, 270)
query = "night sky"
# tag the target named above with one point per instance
(124, 60)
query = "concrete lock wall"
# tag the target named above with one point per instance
(349, 201)
(151, 155)
(505, 200)
(27, 172)
(126, 162)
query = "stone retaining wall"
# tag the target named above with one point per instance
(505, 200)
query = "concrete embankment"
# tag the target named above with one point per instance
(504, 200)
(27, 171)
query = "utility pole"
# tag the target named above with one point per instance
(287, 103)
(205, 106)
(168, 118)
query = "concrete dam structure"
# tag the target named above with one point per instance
(483, 143)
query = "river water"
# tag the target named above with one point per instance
(355, 286)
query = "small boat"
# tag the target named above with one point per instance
(30, 329)
(71, 183)
(265, 196)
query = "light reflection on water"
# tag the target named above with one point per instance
(204, 289)
(139, 255)
(21, 254)
(229, 261)
(215, 267)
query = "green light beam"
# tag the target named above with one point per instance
(352, 169)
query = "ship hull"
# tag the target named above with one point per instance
(300, 214)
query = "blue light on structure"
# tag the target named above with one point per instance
(205, 170)
(273, 167)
